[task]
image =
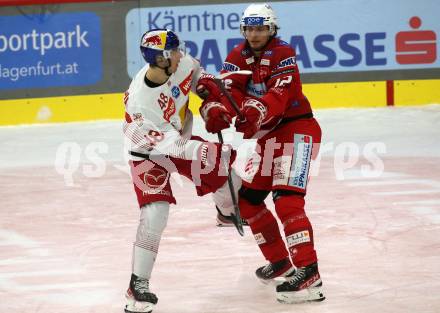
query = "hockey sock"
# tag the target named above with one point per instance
(152, 222)
(297, 228)
(265, 230)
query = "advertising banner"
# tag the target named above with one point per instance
(328, 36)
(42, 51)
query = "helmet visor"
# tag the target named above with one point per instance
(180, 48)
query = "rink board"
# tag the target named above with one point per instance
(110, 106)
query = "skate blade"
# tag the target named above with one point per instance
(136, 310)
(222, 224)
(128, 311)
(228, 222)
(134, 306)
(279, 279)
(272, 282)
(312, 294)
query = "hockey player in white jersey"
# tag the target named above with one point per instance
(158, 130)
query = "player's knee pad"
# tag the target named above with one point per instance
(249, 211)
(251, 203)
(253, 196)
(153, 219)
(289, 206)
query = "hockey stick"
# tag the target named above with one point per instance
(228, 95)
(227, 74)
(218, 81)
(236, 218)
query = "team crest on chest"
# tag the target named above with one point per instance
(175, 91)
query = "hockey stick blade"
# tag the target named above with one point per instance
(237, 223)
(227, 74)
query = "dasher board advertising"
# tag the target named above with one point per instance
(42, 51)
(328, 36)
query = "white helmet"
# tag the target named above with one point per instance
(259, 14)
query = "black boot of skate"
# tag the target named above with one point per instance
(227, 221)
(139, 298)
(303, 286)
(271, 271)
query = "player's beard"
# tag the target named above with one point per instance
(260, 47)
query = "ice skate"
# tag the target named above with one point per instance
(303, 286)
(271, 271)
(139, 298)
(226, 221)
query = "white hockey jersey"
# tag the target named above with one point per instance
(158, 120)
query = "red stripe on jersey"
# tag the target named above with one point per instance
(128, 118)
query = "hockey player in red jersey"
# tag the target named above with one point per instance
(273, 109)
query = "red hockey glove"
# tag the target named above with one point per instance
(211, 155)
(215, 115)
(208, 89)
(252, 115)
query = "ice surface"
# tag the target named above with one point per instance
(65, 245)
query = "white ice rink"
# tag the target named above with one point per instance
(65, 242)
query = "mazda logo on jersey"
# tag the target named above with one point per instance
(156, 178)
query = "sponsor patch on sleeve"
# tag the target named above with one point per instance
(287, 62)
(230, 67)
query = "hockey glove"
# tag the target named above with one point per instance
(215, 115)
(252, 115)
(207, 88)
(217, 157)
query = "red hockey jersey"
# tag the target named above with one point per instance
(275, 80)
